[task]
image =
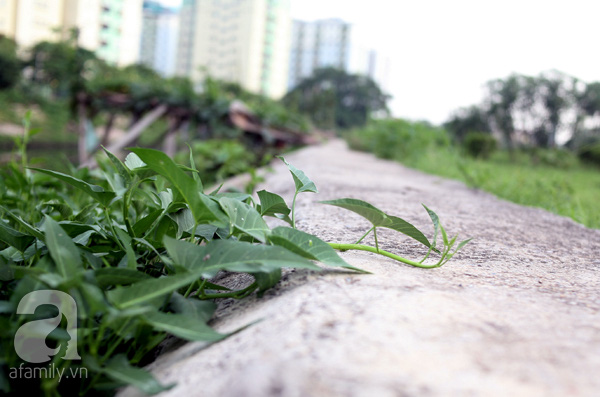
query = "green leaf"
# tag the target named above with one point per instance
(308, 246)
(245, 218)
(147, 290)
(195, 173)
(434, 219)
(96, 192)
(271, 204)
(144, 225)
(14, 238)
(30, 229)
(267, 281)
(192, 307)
(119, 369)
(126, 242)
(62, 249)
(444, 235)
(184, 220)
(183, 326)
(462, 244)
(118, 276)
(204, 209)
(402, 226)
(121, 169)
(132, 161)
(374, 215)
(379, 218)
(302, 182)
(207, 232)
(235, 256)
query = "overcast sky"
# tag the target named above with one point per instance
(442, 51)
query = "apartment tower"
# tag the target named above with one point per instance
(111, 28)
(243, 41)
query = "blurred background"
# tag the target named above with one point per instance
(504, 95)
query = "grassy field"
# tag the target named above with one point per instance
(568, 188)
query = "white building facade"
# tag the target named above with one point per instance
(242, 41)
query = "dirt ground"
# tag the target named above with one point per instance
(516, 313)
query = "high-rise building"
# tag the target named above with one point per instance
(243, 41)
(158, 46)
(334, 43)
(120, 31)
(318, 44)
(111, 28)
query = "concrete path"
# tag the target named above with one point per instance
(516, 313)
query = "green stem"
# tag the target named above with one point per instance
(112, 228)
(294, 210)
(375, 236)
(360, 247)
(365, 235)
(189, 290)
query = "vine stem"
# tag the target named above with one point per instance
(365, 235)
(360, 247)
(294, 210)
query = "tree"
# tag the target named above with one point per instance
(465, 120)
(334, 98)
(501, 102)
(10, 65)
(555, 97)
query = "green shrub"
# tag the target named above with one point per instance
(217, 159)
(558, 158)
(590, 153)
(480, 144)
(398, 139)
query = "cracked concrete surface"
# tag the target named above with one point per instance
(516, 313)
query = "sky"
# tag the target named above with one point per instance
(441, 52)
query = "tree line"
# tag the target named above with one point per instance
(533, 111)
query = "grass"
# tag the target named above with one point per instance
(571, 192)
(567, 188)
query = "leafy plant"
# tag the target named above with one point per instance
(137, 245)
(480, 144)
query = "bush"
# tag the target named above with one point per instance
(480, 144)
(590, 153)
(398, 139)
(217, 159)
(558, 158)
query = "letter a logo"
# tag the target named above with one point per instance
(30, 338)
